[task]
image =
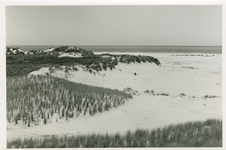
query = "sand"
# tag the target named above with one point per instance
(195, 76)
(76, 55)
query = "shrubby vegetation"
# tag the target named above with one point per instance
(210, 96)
(22, 64)
(138, 59)
(152, 92)
(37, 99)
(105, 61)
(157, 94)
(69, 49)
(130, 91)
(190, 134)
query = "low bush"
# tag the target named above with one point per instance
(24, 64)
(210, 96)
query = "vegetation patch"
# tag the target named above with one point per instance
(18, 63)
(190, 134)
(130, 91)
(152, 92)
(43, 99)
(210, 96)
(157, 94)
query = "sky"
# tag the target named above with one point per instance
(114, 25)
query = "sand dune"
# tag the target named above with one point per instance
(177, 74)
(194, 76)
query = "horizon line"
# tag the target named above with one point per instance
(109, 45)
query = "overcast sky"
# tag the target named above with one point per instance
(114, 25)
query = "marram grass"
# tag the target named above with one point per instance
(190, 134)
(43, 99)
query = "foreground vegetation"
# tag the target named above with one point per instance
(42, 99)
(190, 134)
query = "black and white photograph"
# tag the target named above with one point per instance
(113, 76)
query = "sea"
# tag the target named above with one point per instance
(132, 48)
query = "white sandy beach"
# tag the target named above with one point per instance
(195, 76)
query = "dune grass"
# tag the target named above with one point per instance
(17, 65)
(42, 99)
(191, 134)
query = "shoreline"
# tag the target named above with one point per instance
(167, 53)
